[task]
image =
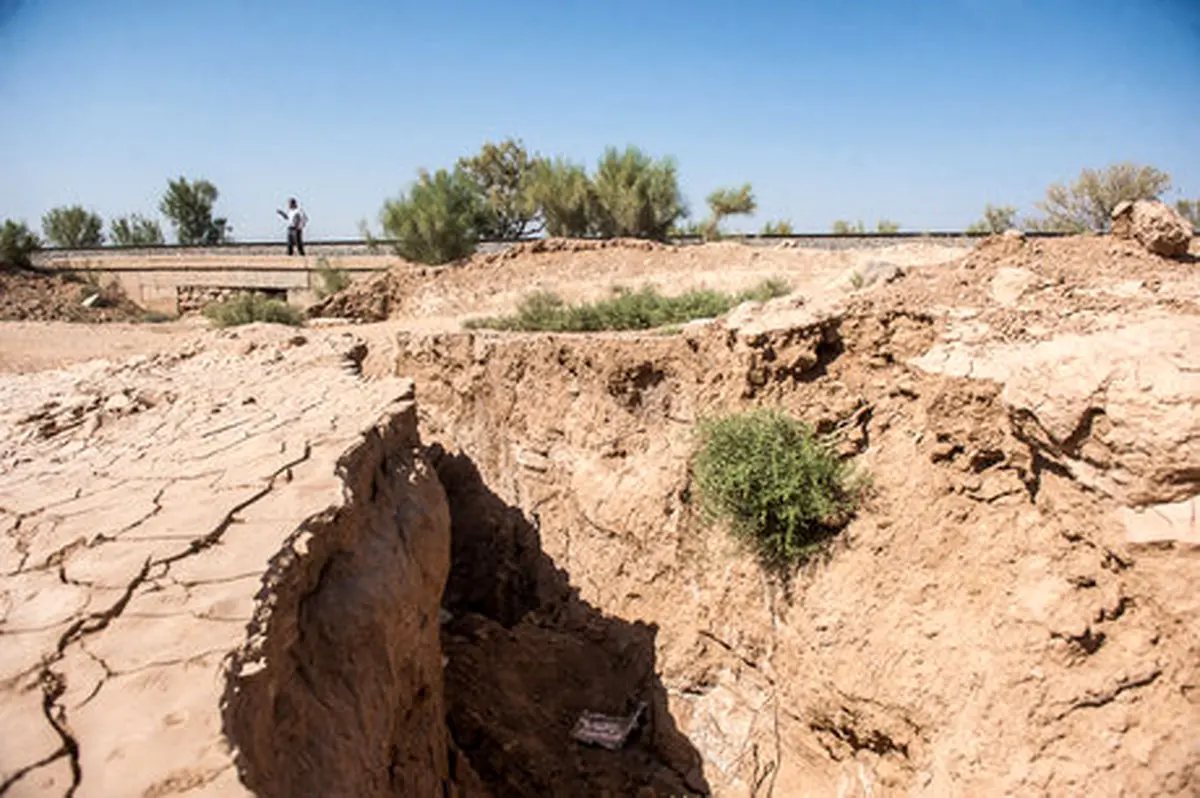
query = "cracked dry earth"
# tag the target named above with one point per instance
(144, 507)
(237, 569)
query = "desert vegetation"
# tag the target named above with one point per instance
(643, 309)
(777, 484)
(249, 307)
(505, 193)
(135, 231)
(189, 207)
(73, 227)
(842, 227)
(17, 243)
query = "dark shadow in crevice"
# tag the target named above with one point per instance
(830, 348)
(526, 656)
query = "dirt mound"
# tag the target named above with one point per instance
(1155, 225)
(440, 298)
(35, 296)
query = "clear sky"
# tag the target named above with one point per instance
(919, 111)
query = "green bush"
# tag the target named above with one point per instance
(437, 220)
(637, 195)
(72, 227)
(1088, 203)
(247, 308)
(135, 231)
(502, 175)
(330, 280)
(777, 228)
(644, 309)
(780, 487)
(566, 198)
(189, 206)
(996, 219)
(17, 243)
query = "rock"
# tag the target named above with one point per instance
(1155, 225)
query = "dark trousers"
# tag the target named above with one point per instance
(295, 240)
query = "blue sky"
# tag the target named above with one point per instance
(919, 111)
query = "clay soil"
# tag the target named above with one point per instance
(1011, 612)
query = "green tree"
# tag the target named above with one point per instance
(17, 243)
(887, 226)
(843, 228)
(189, 206)
(437, 220)
(728, 202)
(72, 227)
(135, 231)
(777, 228)
(638, 196)
(1190, 210)
(996, 219)
(503, 174)
(1088, 203)
(565, 198)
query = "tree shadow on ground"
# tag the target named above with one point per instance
(527, 656)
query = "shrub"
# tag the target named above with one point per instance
(135, 231)
(249, 307)
(502, 174)
(728, 202)
(996, 219)
(1190, 210)
(189, 206)
(1088, 203)
(565, 197)
(330, 280)
(843, 228)
(637, 195)
(643, 309)
(780, 228)
(887, 226)
(780, 487)
(17, 243)
(73, 227)
(437, 221)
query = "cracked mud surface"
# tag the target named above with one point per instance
(140, 505)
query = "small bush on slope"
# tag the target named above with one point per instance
(644, 309)
(781, 488)
(248, 308)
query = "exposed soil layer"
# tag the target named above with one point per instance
(34, 296)
(1000, 618)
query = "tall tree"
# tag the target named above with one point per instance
(189, 206)
(503, 174)
(565, 197)
(135, 231)
(1088, 203)
(73, 226)
(638, 195)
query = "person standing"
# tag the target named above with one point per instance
(296, 219)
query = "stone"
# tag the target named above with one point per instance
(1155, 225)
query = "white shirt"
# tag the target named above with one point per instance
(295, 218)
